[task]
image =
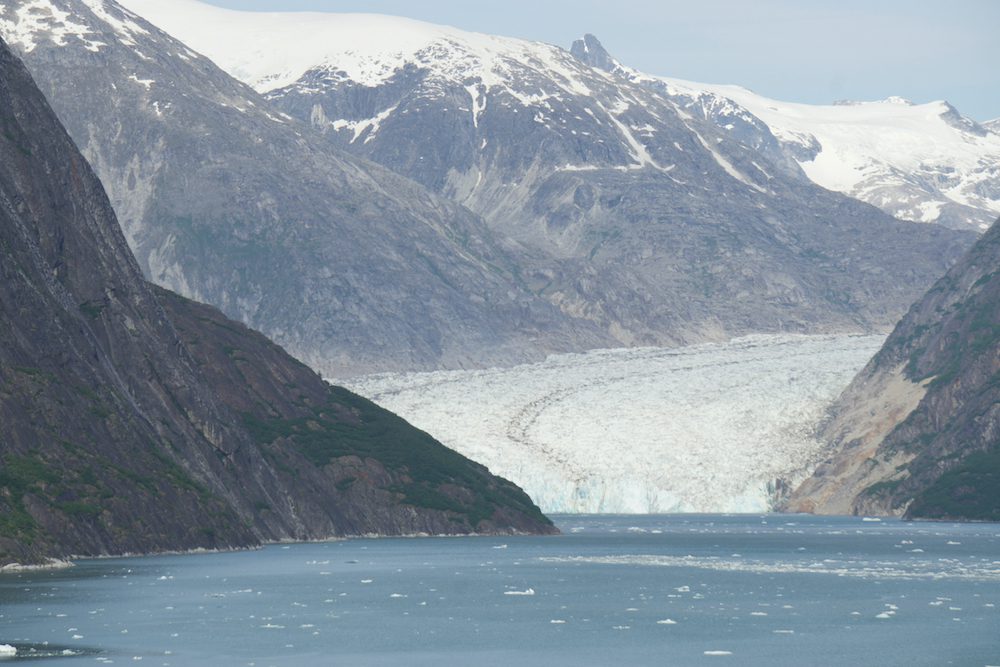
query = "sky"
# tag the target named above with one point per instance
(795, 50)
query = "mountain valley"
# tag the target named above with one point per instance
(134, 420)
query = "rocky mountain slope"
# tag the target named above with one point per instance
(655, 225)
(918, 430)
(919, 162)
(132, 419)
(227, 201)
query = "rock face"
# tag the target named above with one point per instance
(918, 431)
(654, 225)
(225, 200)
(133, 420)
(920, 162)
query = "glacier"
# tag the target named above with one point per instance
(703, 428)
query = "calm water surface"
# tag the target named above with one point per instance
(651, 590)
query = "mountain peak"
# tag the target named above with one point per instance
(589, 50)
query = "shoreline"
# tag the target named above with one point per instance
(67, 562)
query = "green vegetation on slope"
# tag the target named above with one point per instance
(969, 491)
(350, 425)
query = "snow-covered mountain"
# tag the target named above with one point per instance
(656, 225)
(226, 200)
(920, 162)
(708, 428)
(925, 162)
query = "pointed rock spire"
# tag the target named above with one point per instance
(589, 50)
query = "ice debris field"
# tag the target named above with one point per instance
(704, 428)
(748, 590)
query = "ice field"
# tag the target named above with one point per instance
(705, 428)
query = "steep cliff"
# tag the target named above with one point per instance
(223, 199)
(133, 420)
(918, 431)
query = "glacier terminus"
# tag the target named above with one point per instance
(715, 427)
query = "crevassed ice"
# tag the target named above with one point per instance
(705, 428)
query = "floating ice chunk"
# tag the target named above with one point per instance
(884, 614)
(758, 613)
(718, 652)
(7, 651)
(667, 621)
(527, 591)
(952, 542)
(874, 519)
(397, 595)
(500, 546)
(367, 581)
(683, 589)
(783, 632)
(557, 621)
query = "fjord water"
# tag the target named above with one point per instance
(664, 590)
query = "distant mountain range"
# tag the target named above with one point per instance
(552, 205)
(134, 420)
(920, 162)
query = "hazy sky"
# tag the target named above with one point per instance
(796, 50)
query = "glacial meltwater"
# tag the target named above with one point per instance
(650, 590)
